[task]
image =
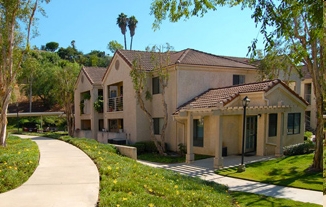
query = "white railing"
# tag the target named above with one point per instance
(115, 104)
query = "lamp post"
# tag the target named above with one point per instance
(17, 116)
(245, 103)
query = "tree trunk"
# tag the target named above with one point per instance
(3, 120)
(141, 103)
(124, 35)
(318, 157)
(131, 42)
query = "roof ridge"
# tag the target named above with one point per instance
(87, 75)
(183, 55)
(232, 86)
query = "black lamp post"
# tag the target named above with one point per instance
(245, 103)
(17, 116)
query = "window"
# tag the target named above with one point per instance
(307, 92)
(115, 125)
(158, 124)
(156, 89)
(238, 79)
(272, 127)
(198, 134)
(294, 120)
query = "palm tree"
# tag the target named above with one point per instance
(132, 24)
(122, 21)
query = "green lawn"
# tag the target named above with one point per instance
(18, 161)
(253, 200)
(286, 171)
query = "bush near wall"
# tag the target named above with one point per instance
(299, 149)
(146, 147)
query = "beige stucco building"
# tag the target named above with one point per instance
(301, 82)
(204, 128)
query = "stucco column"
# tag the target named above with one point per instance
(190, 157)
(218, 160)
(261, 134)
(279, 137)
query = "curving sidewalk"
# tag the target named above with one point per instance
(66, 176)
(203, 169)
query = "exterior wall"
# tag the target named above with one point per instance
(232, 134)
(299, 89)
(192, 81)
(84, 85)
(135, 122)
(156, 108)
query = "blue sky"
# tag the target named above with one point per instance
(92, 24)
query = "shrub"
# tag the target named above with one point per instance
(182, 148)
(149, 146)
(140, 147)
(298, 149)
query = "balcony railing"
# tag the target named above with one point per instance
(115, 104)
(307, 97)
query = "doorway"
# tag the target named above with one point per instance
(251, 134)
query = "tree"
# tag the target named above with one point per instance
(114, 46)
(73, 44)
(38, 71)
(299, 23)
(122, 22)
(51, 46)
(275, 65)
(69, 53)
(65, 81)
(96, 58)
(14, 15)
(132, 24)
(139, 76)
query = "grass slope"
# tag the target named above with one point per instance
(18, 161)
(125, 182)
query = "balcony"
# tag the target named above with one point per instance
(115, 104)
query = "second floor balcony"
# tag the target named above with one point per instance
(115, 104)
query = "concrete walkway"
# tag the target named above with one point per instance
(204, 170)
(66, 176)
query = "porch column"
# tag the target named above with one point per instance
(279, 137)
(218, 160)
(190, 125)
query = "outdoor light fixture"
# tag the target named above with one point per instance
(245, 103)
(201, 121)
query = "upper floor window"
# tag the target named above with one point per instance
(307, 92)
(294, 120)
(158, 125)
(156, 88)
(238, 79)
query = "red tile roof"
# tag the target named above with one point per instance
(186, 57)
(216, 97)
(94, 74)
